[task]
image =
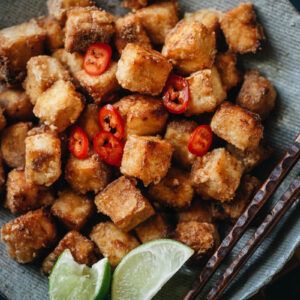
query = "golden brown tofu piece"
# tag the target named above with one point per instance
(142, 70)
(158, 19)
(217, 175)
(17, 45)
(16, 104)
(198, 53)
(134, 4)
(130, 30)
(147, 158)
(87, 175)
(88, 120)
(199, 211)
(42, 157)
(174, 190)
(112, 242)
(201, 237)
(42, 72)
(243, 34)
(143, 115)
(81, 248)
(257, 94)
(99, 87)
(154, 228)
(206, 91)
(124, 203)
(13, 144)
(87, 25)
(178, 134)
(226, 65)
(72, 210)
(237, 126)
(28, 235)
(60, 106)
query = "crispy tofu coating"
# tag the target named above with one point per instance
(217, 175)
(88, 120)
(237, 126)
(154, 228)
(28, 235)
(81, 248)
(174, 190)
(147, 158)
(13, 144)
(134, 4)
(60, 106)
(243, 34)
(72, 210)
(87, 25)
(198, 53)
(178, 134)
(112, 242)
(201, 237)
(158, 19)
(42, 157)
(87, 175)
(130, 30)
(17, 45)
(199, 211)
(124, 203)
(257, 94)
(142, 70)
(143, 115)
(206, 91)
(226, 65)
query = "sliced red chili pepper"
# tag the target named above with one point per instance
(111, 121)
(200, 140)
(109, 148)
(176, 94)
(97, 59)
(79, 143)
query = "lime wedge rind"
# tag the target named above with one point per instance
(103, 270)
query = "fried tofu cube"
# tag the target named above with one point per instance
(147, 158)
(217, 175)
(16, 104)
(87, 25)
(2, 119)
(158, 19)
(13, 144)
(87, 175)
(257, 94)
(153, 229)
(2, 174)
(28, 235)
(206, 91)
(142, 70)
(130, 30)
(197, 54)
(124, 203)
(199, 211)
(134, 4)
(178, 134)
(112, 242)
(143, 115)
(81, 248)
(237, 126)
(242, 33)
(60, 106)
(17, 45)
(42, 72)
(88, 120)
(99, 87)
(175, 190)
(226, 65)
(42, 157)
(72, 210)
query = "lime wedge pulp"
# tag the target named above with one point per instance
(144, 270)
(72, 281)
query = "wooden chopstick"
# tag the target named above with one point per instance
(290, 196)
(263, 194)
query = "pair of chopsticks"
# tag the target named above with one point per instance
(263, 194)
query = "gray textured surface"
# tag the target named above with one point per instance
(280, 61)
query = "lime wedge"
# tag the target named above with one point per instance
(72, 281)
(144, 270)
